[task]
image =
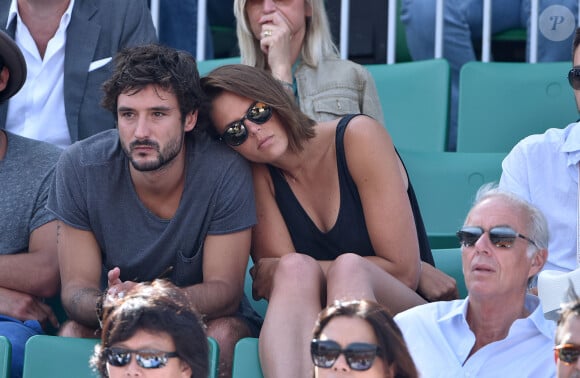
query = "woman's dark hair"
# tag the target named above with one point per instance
(172, 70)
(156, 307)
(393, 349)
(258, 85)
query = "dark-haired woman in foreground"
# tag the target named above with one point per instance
(151, 331)
(359, 339)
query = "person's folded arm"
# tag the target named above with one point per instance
(382, 185)
(224, 268)
(35, 271)
(80, 261)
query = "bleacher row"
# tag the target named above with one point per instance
(500, 103)
(48, 356)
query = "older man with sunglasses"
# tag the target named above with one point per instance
(498, 330)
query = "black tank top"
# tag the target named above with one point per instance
(350, 233)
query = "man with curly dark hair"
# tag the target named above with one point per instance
(155, 197)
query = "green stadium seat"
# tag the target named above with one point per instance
(445, 184)
(501, 103)
(5, 357)
(449, 261)
(214, 357)
(205, 66)
(56, 357)
(259, 306)
(415, 101)
(247, 359)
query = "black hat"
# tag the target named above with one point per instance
(13, 59)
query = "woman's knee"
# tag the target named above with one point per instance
(346, 266)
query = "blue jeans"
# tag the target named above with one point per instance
(18, 333)
(462, 23)
(178, 26)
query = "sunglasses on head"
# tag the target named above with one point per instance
(236, 133)
(147, 359)
(501, 237)
(574, 78)
(567, 353)
(359, 356)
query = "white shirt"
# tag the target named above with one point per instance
(37, 111)
(543, 169)
(439, 340)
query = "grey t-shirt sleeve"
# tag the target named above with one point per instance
(40, 214)
(235, 204)
(67, 199)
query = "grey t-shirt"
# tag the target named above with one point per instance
(26, 173)
(93, 191)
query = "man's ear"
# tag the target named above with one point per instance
(538, 260)
(4, 76)
(190, 120)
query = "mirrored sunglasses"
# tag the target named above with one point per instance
(236, 133)
(359, 356)
(567, 353)
(147, 359)
(501, 237)
(574, 78)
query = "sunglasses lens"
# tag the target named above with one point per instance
(469, 235)
(502, 237)
(259, 113)
(118, 357)
(574, 78)
(151, 361)
(360, 356)
(235, 134)
(569, 355)
(324, 353)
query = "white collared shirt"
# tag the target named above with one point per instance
(440, 340)
(37, 111)
(543, 169)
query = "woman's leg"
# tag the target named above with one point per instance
(294, 305)
(353, 277)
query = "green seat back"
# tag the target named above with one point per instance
(501, 103)
(445, 184)
(214, 357)
(205, 66)
(56, 357)
(247, 359)
(449, 261)
(259, 306)
(5, 357)
(415, 100)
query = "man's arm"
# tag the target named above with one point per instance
(79, 257)
(35, 271)
(224, 268)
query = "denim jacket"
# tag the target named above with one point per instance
(335, 88)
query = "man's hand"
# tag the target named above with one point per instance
(263, 277)
(24, 306)
(116, 287)
(434, 285)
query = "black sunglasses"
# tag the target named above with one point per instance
(567, 353)
(236, 133)
(359, 356)
(147, 359)
(574, 78)
(501, 237)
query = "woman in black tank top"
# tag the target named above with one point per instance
(337, 216)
